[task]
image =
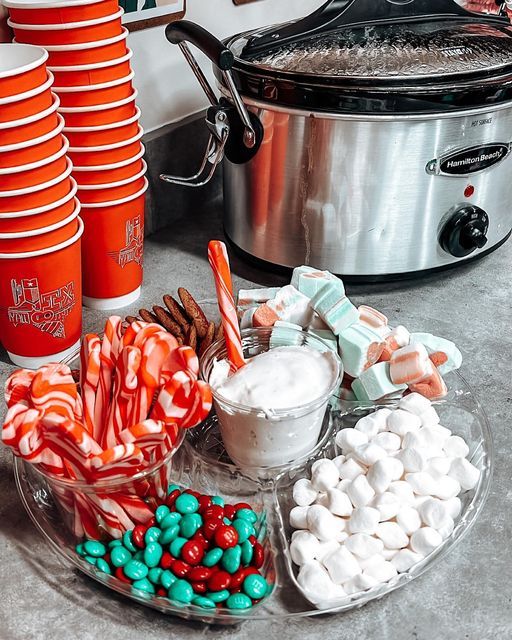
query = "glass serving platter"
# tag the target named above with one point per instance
(202, 464)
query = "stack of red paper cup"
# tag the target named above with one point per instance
(93, 80)
(40, 231)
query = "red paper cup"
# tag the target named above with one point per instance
(39, 195)
(19, 221)
(32, 127)
(113, 191)
(105, 174)
(103, 134)
(87, 96)
(28, 175)
(15, 155)
(91, 74)
(106, 154)
(28, 103)
(113, 251)
(87, 52)
(70, 32)
(40, 292)
(101, 113)
(22, 68)
(60, 12)
(36, 239)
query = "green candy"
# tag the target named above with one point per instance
(175, 547)
(186, 503)
(218, 596)
(226, 521)
(139, 555)
(161, 512)
(152, 535)
(119, 556)
(143, 585)
(205, 603)
(95, 548)
(238, 601)
(115, 543)
(255, 586)
(153, 554)
(127, 541)
(218, 500)
(189, 524)
(80, 549)
(247, 514)
(91, 560)
(155, 575)
(170, 520)
(103, 566)
(247, 553)
(135, 570)
(231, 559)
(212, 557)
(170, 534)
(173, 487)
(182, 591)
(167, 578)
(243, 529)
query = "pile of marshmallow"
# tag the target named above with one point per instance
(382, 506)
(379, 361)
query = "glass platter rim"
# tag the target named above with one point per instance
(471, 514)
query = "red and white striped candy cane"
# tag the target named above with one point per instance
(17, 386)
(122, 460)
(53, 390)
(146, 434)
(89, 380)
(181, 359)
(109, 352)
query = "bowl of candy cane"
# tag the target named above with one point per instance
(101, 439)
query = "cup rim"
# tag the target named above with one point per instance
(47, 207)
(40, 186)
(119, 183)
(113, 203)
(112, 145)
(15, 146)
(106, 127)
(56, 4)
(78, 46)
(39, 163)
(46, 250)
(30, 94)
(43, 57)
(113, 165)
(104, 106)
(95, 87)
(112, 483)
(11, 124)
(66, 26)
(276, 413)
(13, 235)
(94, 65)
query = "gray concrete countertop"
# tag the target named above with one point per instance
(466, 596)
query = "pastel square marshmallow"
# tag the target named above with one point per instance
(410, 364)
(435, 344)
(335, 309)
(309, 280)
(377, 383)
(291, 305)
(433, 386)
(359, 391)
(264, 316)
(285, 334)
(359, 348)
(371, 317)
(327, 336)
(396, 339)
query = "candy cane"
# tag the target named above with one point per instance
(109, 353)
(135, 507)
(181, 359)
(89, 380)
(147, 434)
(121, 460)
(218, 258)
(53, 390)
(17, 386)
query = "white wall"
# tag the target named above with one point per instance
(168, 90)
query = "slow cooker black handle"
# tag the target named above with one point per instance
(186, 31)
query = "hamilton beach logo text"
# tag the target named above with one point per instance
(483, 157)
(133, 249)
(45, 311)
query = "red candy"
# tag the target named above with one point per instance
(242, 505)
(166, 560)
(239, 576)
(213, 511)
(226, 536)
(204, 503)
(257, 556)
(229, 511)
(219, 581)
(119, 574)
(192, 552)
(151, 522)
(199, 537)
(198, 574)
(252, 540)
(171, 498)
(210, 527)
(138, 534)
(199, 587)
(179, 568)
(161, 592)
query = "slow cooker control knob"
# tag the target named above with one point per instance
(465, 231)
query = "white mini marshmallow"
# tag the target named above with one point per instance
(364, 520)
(434, 439)
(324, 474)
(381, 417)
(384, 472)
(388, 554)
(415, 403)
(341, 565)
(446, 529)
(364, 546)
(454, 506)
(429, 417)
(381, 572)
(360, 492)
(325, 548)
(338, 461)
(348, 439)
(304, 547)
(341, 536)
(321, 522)
(412, 458)
(392, 535)
(422, 483)
(387, 440)
(350, 469)
(359, 583)
(408, 519)
(465, 473)
(303, 492)
(338, 502)
(317, 585)
(434, 513)
(425, 540)
(419, 500)
(299, 517)
(369, 425)
(405, 559)
(388, 505)
(403, 491)
(455, 447)
(321, 498)
(402, 422)
(343, 484)
(446, 488)
(439, 466)
(368, 454)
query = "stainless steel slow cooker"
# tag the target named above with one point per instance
(371, 138)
